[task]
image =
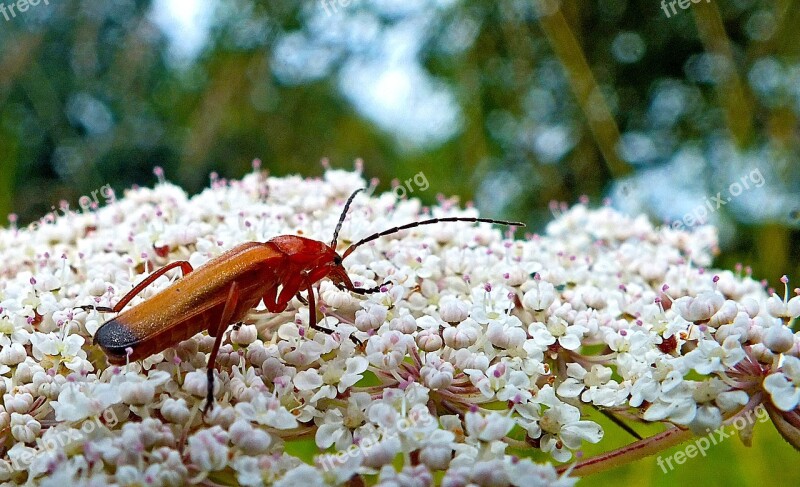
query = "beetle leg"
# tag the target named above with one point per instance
(290, 288)
(361, 290)
(271, 298)
(312, 317)
(218, 333)
(185, 266)
(312, 312)
(102, 309)
(301, 299)
(277, 302)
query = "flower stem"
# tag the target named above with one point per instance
(629, 453)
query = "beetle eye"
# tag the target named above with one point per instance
(337, 260)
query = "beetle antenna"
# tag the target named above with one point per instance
(427, 222)
(341, 218)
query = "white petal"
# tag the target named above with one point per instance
(573, 433)
(307, 380)
(570, 388)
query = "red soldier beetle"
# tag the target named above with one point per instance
(226, 288)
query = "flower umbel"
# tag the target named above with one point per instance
(477, 342)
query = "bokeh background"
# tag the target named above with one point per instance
(509, 104)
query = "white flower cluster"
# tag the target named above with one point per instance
(477, 343)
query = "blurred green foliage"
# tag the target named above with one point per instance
(511, 104)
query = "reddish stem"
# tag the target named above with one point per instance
(629, 453)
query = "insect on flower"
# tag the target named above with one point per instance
(225, 289)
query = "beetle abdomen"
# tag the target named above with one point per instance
(114, 338)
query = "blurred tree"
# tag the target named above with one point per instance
(510, 104)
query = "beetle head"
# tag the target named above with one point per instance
(313, 259)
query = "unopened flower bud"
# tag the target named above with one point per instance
(208, 449)
(221, 415)
(404, 324)
(175, 410)
(187, 349)
(24, 428)
(256, 355)
(724, 315)
(18, 403)
(97, 287)
(244, 335)
(462, 336)
(793, 307)
(338, 299)
(516, 276)
(429, 340)
(594, 298)
(137, 393)
(370, 318)
(453, 310)
(699, 308)
(490, 473)
(380, 453)
(466, 359)
(761, 353)
(250, 440)
(436, 457)
(13, 354)
(779, 338)
(505, 336)
(750, 306)
(539, 297)
(196, 384)
(23, 374)
(437, 373)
